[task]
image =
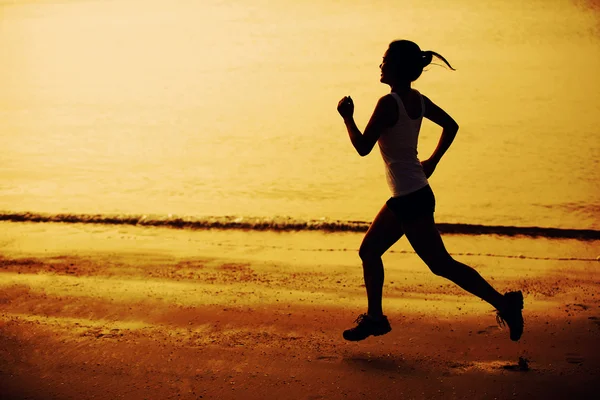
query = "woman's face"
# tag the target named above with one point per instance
(387, 70)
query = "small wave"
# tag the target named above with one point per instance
(285, 224)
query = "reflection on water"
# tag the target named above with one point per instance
(224, 108)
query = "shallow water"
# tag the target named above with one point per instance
(222, 108)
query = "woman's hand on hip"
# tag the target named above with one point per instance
(428, 167)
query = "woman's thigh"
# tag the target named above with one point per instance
(426, 240)
(385, 230)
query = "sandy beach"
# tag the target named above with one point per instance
(101, 312)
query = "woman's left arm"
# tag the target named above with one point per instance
(384, 116)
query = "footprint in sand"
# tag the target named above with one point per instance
(488, 330)
(488, 366)
(577, 307)
(460, 366)
(328, 358)
(522, 365)
(102, 333)
(574, 358)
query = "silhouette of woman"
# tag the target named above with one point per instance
(395, 126)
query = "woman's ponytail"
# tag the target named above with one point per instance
(427, 57)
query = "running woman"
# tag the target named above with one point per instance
(395, 126)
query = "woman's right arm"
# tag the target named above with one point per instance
(449, 130)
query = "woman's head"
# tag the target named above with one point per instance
(404, 61)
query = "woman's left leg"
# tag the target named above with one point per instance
(382, 234)
(385, 230)
(427, 243)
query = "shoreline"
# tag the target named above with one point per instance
(287, 224)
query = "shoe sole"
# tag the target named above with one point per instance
(520, 303)
(372, 334)
(519, 298)
(383, 333)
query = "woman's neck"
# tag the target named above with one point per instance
(401, 87)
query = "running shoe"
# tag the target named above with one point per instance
(367, 326)
(512, 314)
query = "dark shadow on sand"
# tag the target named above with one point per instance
(387, 363)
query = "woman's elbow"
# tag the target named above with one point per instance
(365, 147)
(363, 151)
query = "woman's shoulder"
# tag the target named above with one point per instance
(418, 94)
(425, 99)
(387, 110)
(388, 101)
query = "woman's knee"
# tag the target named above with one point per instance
(441, 266)
(368, 253)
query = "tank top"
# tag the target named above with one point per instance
(398, 146)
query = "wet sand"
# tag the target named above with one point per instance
(101, 312)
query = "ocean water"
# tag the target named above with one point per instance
(228, 108)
